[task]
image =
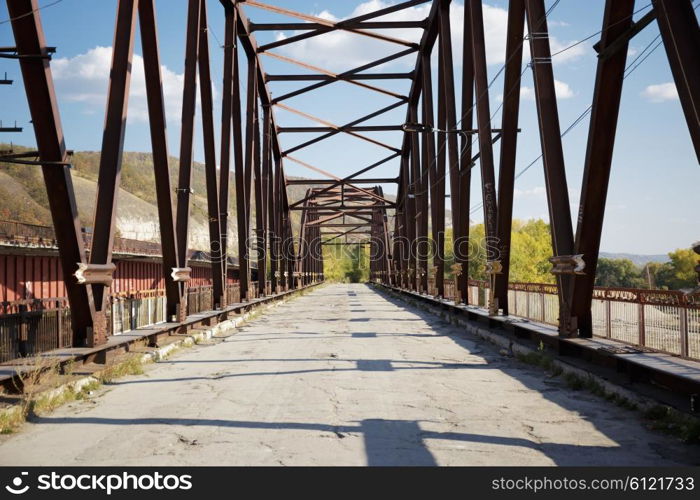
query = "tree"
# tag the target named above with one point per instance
(679, 272)
(619, 273)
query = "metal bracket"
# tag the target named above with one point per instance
(568, 264)
(181, 274)
(95, 274)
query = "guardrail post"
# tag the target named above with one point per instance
(543, 295)
(684, 331)
(59, 330)
(608, 322)
(641, 326)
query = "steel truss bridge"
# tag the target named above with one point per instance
(442, 140)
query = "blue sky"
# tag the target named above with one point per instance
(652, 198)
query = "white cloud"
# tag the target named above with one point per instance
(538, 192)
(339, 50)
(85, 79)
(562, 89)
(660, 92)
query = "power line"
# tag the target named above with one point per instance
(31, 12)
(473, 140)
(628, 71)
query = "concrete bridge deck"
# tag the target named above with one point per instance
(342, 376)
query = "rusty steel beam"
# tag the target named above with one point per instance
(328, 174)
(680, 33)
(109, 175)
(159, 143)
(509, 140)
(462, 177)
(483, 114)
(364, 128)
(335, 127)
(383, 25)
(346, 75)
(189, 101)
(599, 152)
(552, 154)
(345, 180)
(209, 146)
(332, 26)
(227, 122)
(435, 177)
(334, 76)
(449, 115)
(327, 78)
(338, 130)
(321, 182)
(38, 85)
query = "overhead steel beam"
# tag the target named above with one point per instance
(307, 26)
(335, 76)
(321, 182)
(345, 76)
(345, 180)
(340, 129)
(328, 78)
(364, 128)
(339, 25)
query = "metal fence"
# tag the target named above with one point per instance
(138, 310)
(663, 320)
(30, 329)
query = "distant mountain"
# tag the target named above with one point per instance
(638, 260)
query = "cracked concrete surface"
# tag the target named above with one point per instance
(342, 376)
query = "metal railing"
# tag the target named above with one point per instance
(663, 320)
(131, 311)
(21, 233)
(31, 329)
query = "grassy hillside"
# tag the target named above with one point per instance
(23, 196)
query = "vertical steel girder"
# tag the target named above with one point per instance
(243, 179)
(462, 175)
(189, 102)
(38, 84)
(596, 171)
(553, 155)
(680, 33)
(209, 145)
(158, 127)
(448, 113)
(227, 122)
(436, 179)
(112, 150)
(420, 217)
(509, 139)
(483, 113)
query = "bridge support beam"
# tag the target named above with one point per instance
(599, 152)
(30, 43)
(509, 139)
(553, 155)
(678, 24)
